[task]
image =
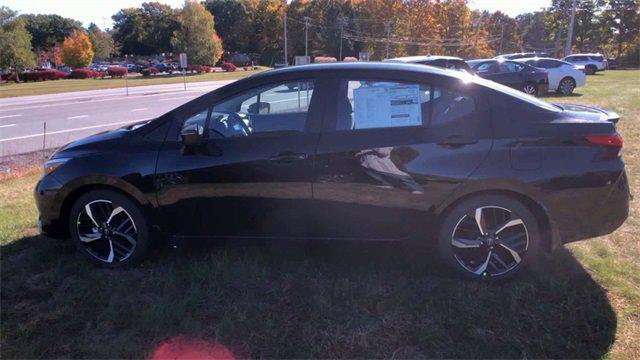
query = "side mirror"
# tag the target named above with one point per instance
(191, 134)
(259, 108)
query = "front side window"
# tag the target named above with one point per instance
(279, 108)
(509, 67)
(365, 104)
(485, 68)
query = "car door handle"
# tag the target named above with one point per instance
(287, 157)
(457, 140)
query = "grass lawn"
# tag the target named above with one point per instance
(340, 300)
(62, 86)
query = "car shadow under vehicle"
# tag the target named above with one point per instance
(254, 299)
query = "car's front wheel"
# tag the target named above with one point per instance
(489, 237)
(566, 86)
(530, 88)
(109, 229)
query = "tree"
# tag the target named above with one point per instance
(146, 30)
(101, 41)
(234, 23)
(196, 36)
(48, 30)
(623, 16)
(77, 51)
(506, 41)
(15, 52)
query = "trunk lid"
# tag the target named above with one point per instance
(584, 112)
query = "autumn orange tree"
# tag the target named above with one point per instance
(77, 51)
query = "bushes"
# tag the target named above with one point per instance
(228, 67)
(42, 75)
(350, 59)
(324, 59)
(149, 71)
(85, 74)
(117, 71)
(199, 68)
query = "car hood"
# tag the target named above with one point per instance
(100, 141)
(588, 112)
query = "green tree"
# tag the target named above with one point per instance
(146, 30)
(196, 36)
(101, 41)
(77, 51)
(234, 23)
(48, 30)
(15, 52)
(624, 17)
(504, 29)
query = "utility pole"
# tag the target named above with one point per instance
(567, 45)
(388, 25)
(341, 29)
(306, 37)
(286, 57)
(501, 36)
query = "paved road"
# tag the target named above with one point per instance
(72, 116)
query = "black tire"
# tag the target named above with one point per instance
(566, 86)
(590, 69)
(115, 231)
(530, 88)
(497, 255)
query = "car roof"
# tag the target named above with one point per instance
(355, 66)
(585, 54)
(408, 59)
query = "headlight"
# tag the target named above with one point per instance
(53, 164)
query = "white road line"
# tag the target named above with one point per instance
(77, 117)
(141, 109)
(115, 98)
(72, 130)
(9, 125)
(10, 116)
(177, 98)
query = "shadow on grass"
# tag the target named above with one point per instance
(337, 300)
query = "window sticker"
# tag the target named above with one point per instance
(387, 105)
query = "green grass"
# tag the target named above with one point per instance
(336, 301)
(62, 86)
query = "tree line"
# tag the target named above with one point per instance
(334, 28)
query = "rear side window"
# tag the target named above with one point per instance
(449, 106)
(509, 67)
(597, 58)
(365, 104)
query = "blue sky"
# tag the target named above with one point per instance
(100, 11)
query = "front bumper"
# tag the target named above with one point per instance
(46, 194)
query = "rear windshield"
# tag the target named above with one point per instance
(517, 94)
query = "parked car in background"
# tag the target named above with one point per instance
(373, 151)
(521, 55)
(563, 76)
(447, 62)
(592, 62)
(612, 63)
(523, 77)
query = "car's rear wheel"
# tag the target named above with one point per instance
(489, 237)
(109, 229)
(566, 86)
(590, 69)
(530, 88)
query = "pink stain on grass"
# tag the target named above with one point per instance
(181, 348)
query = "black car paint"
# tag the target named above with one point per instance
(311, 185)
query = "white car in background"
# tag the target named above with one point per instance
(591, 62)
(563, 76)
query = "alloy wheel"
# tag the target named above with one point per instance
(566, 86)
(107, 231)
(490, 241)
(529, 89)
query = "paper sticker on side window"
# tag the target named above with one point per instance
(387, 105)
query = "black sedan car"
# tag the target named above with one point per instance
(446, 62)
(355, 151)
(526, 78)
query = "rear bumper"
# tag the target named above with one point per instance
(602, 217)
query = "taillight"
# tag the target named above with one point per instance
(612, 144)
